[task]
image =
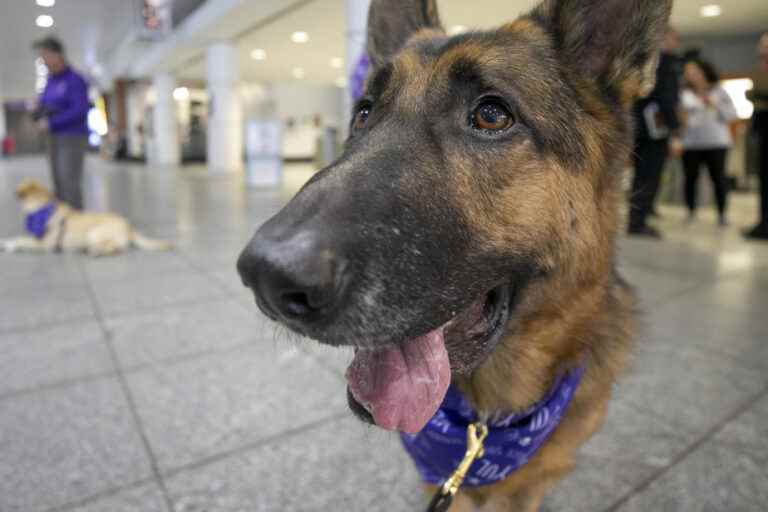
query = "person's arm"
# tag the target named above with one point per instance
(78, 105)
(668, 95)
(726, 110)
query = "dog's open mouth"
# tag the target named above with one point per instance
(401, 386)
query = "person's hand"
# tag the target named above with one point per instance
(675, 147)
(42, 127)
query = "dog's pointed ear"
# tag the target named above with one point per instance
(614, 41)
(392, 22)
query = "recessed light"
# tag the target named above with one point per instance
(44, 21)
(337, 62)
(341, 82)
(299, 37)
(298, 72)
(457, 29)
(711, 11)
(46, 3)
(181, 93)
(259, 54)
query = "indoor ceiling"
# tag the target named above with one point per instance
(90, 29)
(323, 20)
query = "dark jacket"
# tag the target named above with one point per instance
(664, 99)
(65, 100)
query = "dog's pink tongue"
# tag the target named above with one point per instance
(402, 386)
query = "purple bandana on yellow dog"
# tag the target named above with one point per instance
(512, 438)
(37, 221)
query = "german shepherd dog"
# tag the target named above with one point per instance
(466, 234)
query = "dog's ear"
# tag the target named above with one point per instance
(30, 186)
(25, 188)
(392, 22)
(614, 41)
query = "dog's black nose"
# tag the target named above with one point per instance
(297, 278)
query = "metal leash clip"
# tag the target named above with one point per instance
(476, 434)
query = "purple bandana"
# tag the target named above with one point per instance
(357, 80)
(37, 221)
(512, 438)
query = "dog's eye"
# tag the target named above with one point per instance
(492, 116)
(361, 117)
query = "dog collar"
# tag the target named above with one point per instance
(37, 221)
(513, 439)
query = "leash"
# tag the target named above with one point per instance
(443, 498)
(60, 235)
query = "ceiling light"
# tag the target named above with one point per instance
(44, 21)
(299, 37)
(337, 62)
(259, 54)
(341, 82)
(181, 93)
(298, 72)
(457, 29)
(711, 11)
(46, 3)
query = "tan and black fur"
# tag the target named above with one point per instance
(98, 234)
(423, 213)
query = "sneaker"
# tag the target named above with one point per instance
(644, 231)
(723, 221)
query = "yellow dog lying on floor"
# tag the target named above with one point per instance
(56, 226)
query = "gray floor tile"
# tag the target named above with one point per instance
(685, 386)
(742, 293)
(342, 465)
(637, 439)
(182, 330)
(39, 271)
(749, 432)
(202, 407)
(594, 485)
(135, 264)
(34, 358)
(231, 282)
(713, 479)
(735, 335)
(336, 359)
(653, 287)
(62, 445)
(145, 498)
(26, 307)
(150, 293)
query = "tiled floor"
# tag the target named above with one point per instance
(148, 383)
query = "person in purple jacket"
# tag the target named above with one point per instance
(65, 105)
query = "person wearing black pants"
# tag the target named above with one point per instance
(714, 160)
(656, 126)
(709, 110)
(760, 125)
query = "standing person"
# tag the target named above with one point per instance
(64, 103)
(760, 125)
(656, 135)
(709, 111)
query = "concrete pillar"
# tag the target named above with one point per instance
(356, 18)
(225, 111)
(165, 129)
(2, 120)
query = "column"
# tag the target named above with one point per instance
(3, 129)
(225, 112)
(165, 129)
(356, 17)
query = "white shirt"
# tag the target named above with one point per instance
(707, 127)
